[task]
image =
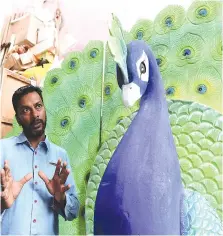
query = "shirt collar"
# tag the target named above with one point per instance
(22, 139)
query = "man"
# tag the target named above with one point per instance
(36, 183)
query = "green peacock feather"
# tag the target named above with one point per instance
(142, 30)
(72, 62)
(205, 85)
(169, 19)
(188, 50)
(53, 80)
(93, 52)
(204, 11)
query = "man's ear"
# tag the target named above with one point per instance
(17, 118)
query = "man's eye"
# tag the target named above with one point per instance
(25, 110)
(39, 105)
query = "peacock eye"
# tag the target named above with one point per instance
(142, 67)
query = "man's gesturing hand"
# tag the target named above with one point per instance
(56, 186)
(10, 189)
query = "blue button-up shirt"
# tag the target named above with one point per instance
(33, 213)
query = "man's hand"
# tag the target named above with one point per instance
(10, 189)
(56, 186)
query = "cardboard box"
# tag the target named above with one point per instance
(44, 46)
(10, 60)
(20, 62)
(26, 58)
(26, 29)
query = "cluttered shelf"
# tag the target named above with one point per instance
(28, 47)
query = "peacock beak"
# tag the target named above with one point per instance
(130, 94)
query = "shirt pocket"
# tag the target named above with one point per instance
(50, 169)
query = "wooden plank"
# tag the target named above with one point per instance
(5, 129)
(17, 76)
(7, 120)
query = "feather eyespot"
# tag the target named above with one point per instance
(107, 90)
(201, 88)
(64, 122)
(139, 35)
(170, 18)
(142, 29)
(93, 53)
(82, 103)
(203, 12)
(54, 80)
(158, 61)
(170, 91)
(186, 52)
(72, 64)
(169, 22)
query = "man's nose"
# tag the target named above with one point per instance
(35, 114)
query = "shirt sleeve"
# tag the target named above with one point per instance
(72, 206)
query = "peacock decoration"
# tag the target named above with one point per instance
(86, 115)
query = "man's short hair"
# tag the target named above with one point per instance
(20, 92)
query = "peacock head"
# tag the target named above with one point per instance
(135, 64)
(134, 86)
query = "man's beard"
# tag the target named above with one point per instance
(29, 130)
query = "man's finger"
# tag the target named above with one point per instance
(57, 170)
(26, 178)
(64, 168)
(64, 173)
(63, 177)
(3, 180)
(65, 188)
(44, 177)
(7, 170)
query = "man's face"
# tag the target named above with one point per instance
(31, 115)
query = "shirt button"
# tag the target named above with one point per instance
(35, 201)
(35, 166)
(34, 221)
(35, 152)
(35, 182)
